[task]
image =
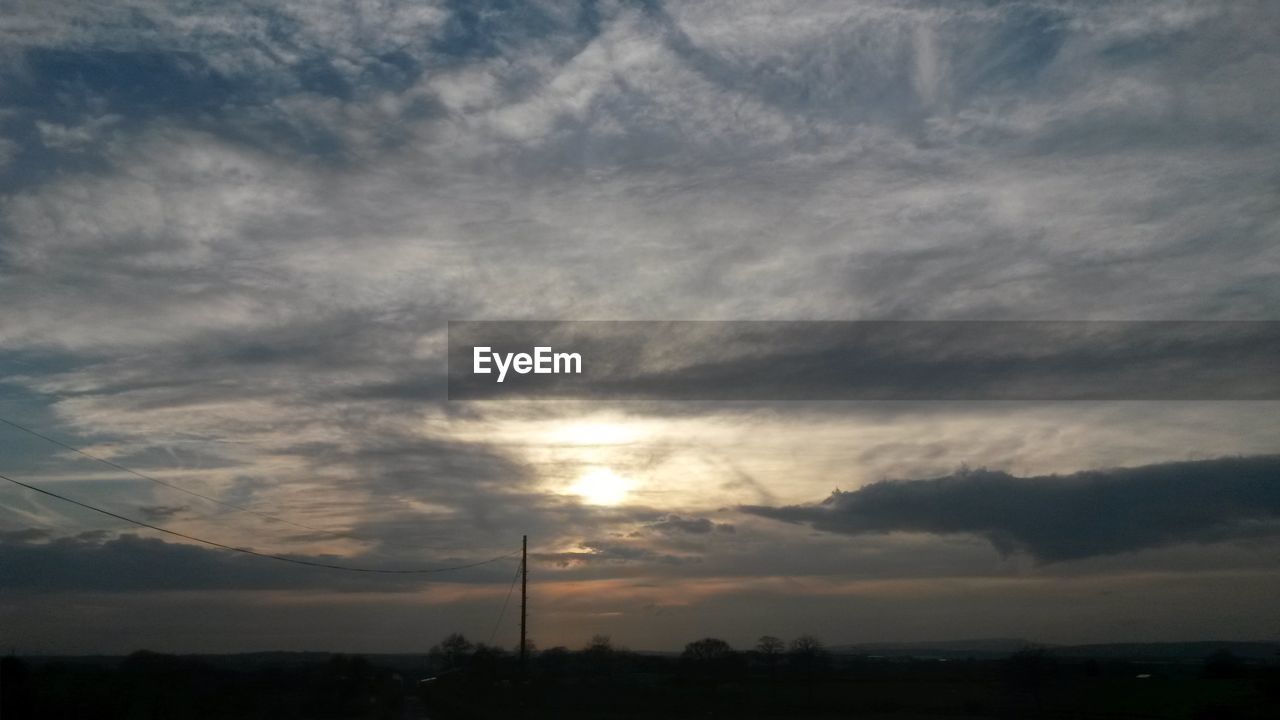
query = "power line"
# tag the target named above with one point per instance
(507, 600)
(193, 493)
(255, 553)
(165, 483)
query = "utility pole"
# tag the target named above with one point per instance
(524, 599)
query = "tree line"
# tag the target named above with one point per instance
(707, 656)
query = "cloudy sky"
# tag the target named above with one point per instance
(232, 234)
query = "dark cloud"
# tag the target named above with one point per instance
(24, 535)
(128, 563)
(162, 512)
(677, 524)
(1056, 518)
(879, 360)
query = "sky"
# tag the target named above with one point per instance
(232, 236)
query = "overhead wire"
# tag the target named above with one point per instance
(188, 491)
(506, 601)
(256, 553)
(165, 483)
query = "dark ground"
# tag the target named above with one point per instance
(708, 681)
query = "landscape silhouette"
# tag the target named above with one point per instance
(799, 678)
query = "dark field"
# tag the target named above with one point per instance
(708, 680)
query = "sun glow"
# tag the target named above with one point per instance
(593, 433)
(602, 486)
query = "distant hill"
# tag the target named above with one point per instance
(978, 648)
(1172, 650)
(949, 649)
(985, 648)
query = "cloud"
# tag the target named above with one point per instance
(1057, 518)
(881, 360)
(162, 512)
(129, 563)
(231, 236)
(596, 552)
(676, 524)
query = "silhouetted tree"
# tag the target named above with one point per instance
(808, 654)
(554, 661)
(452, 652)
(770, 650)
(770, 645)
(485, 663)
(709, 659)
(706, 650)
(600, 655)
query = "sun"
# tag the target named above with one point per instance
(601, 486)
